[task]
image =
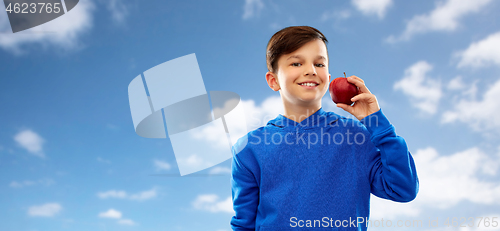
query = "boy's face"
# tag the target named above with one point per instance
(307, 64)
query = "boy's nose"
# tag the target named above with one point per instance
(310, 70)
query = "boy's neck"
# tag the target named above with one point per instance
(298, 113)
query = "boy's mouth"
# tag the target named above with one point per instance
(309, 85)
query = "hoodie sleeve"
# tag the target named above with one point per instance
(392, 171)
(245, 194)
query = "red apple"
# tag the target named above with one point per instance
(342, 91)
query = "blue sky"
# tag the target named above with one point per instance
(71, 160)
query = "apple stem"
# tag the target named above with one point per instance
(345, 75)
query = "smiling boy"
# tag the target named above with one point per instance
(309, 164)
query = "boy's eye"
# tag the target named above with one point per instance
(296, 64)
(320, 65)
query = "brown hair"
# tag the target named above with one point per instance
(288, 40)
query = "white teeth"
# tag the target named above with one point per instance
(308, 84)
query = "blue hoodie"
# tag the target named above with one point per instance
(318, 173)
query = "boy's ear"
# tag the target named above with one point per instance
(272, 81)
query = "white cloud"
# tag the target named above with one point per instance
(140, 196)
(115, 214)
(112, 194)
(471, 92)
(144, 195)
(209, 135)
(15, 184)
(424, 92)
(119, 11)
(256, 116)
(62, 32)
(220, 170)
(445, 17)
(337, 15)
(372, 7)
(111, 213)
(212, 134)
(480, 115)
(21, 184)
(211, 203)
(161, 165)
(193, 161)
(275, 26)
(482, 53)
(102, 160)
(252, 8)
(45, 210)
(112, 127)
(126, 222)
(31, 141)
(456, 83)
(445, 181)
(387, 209)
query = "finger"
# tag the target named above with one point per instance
(346, 107)
(356, 77)
(361, 96)
(359, 83)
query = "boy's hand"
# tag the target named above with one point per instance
(365, 103)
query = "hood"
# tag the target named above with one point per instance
(317, 119)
